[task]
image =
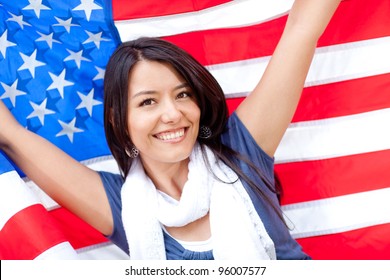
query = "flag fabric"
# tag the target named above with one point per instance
(332, 161)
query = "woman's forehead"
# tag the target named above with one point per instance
(153, 76)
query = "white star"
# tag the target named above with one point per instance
(77, 57)
(4, 43)
(100, 74)
(88, 102)
(95, 38)
(40, 111)
(67, 24)
(30, 63)
(87, 6)
(12, 92)
(59, 83)
(18, 20)
(48, 39)
(37, 6)
(68, 129)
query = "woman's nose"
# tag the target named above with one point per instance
(170, 112)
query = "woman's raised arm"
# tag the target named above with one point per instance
(68, 182)
(268, 110)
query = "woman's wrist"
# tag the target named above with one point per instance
(310, 17)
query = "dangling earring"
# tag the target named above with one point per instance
(133, 153)
(204, 132)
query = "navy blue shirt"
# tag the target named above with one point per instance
(237, 137)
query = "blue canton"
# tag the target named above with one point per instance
(52, 61)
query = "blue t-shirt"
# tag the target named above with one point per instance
(238, 138)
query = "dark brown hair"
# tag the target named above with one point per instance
(208, 93)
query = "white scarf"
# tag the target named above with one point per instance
(236, 229)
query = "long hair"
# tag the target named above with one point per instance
(208, 93)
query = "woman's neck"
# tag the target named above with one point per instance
(168, 177)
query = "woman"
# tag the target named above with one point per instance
(194, 183)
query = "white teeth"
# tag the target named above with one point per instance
(171, 135)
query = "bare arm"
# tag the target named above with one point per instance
(268, 110)
(68, 182)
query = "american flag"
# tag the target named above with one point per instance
(332, 161)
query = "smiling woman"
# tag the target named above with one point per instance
(190, 174)
(163, 116)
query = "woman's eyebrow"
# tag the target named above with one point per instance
(143, 92)
(147, 92)
(182, 85)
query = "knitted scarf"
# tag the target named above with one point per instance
(236, 229)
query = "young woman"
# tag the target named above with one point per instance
(194, 183)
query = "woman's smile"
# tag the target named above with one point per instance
(172, 135)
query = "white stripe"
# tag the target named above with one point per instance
(232, 14)
(339, 214)
(335, 137)
(103, 251)
(330, 64)
(62, 251)
(14, 196)
(106, 163)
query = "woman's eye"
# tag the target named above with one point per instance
(147, 102)
(183, 95)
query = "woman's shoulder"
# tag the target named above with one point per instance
(237, 137)
(112, 183)
(111, 178)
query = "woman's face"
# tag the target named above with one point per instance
(163, 114)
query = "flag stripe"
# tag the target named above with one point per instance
(225, 44)
(21, 240)
(222, 44)
(339, 214)
(334, 177)
(61, 251)
(370, 243)
(102, 251)
(355, 20)
(232, 14)
(331, 64)
(335, 137)
(344, 98)
(14, 195)
(122, 10)
(85, 235)
(338, 99)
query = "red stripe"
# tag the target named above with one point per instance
(310, 180)
(357, 20)
(339, 99)
(344, 98)
(233, 103)
(124, 9)
(365, 20)
(29, 233)
(231, 44)
(77, 232)
(371, 243)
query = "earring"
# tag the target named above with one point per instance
(133, 153)
(204, 132)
